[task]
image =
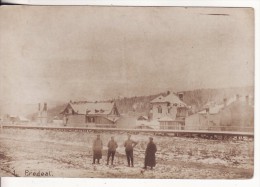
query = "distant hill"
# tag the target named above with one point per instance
(198, 98)
(140, 105)
(195, 98)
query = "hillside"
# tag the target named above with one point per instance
(195, 98)
(140, 105)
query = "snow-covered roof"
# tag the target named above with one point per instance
(212, 110)
(22, 118)
(147, 124)
(92, 107)
(113, 119)
(172, 98)
(142, 118)
(216, 108)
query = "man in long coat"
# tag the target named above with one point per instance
(97, 149)
(150, 154)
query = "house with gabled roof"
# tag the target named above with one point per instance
(94, 114)
(170, 111)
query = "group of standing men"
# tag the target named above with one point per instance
(129, 148)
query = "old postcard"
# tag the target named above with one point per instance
(127, 92)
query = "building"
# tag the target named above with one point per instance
(170, 111)
(91, 114)
(167, 122)
(142, 118)
(57, 121)
(234, 114)
(22, 119)
(15, 119)
(12, 118)
(143, 122)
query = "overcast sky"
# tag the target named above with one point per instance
(73, 53)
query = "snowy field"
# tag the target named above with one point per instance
(68, 154)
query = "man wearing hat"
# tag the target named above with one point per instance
(150, 154)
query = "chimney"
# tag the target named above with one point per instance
(180, 94)
(45, 107)
(247, 100)
(207, 110)
(237, 97)
(225, 102)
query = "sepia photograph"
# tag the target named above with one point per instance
(127, 92)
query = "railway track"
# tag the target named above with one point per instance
(188, 133)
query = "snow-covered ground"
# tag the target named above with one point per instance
(68, 154)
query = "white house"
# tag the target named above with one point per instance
(170, 111)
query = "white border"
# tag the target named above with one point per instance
(255, 182)
(222, 3)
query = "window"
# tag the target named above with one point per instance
(90, 119)
(159, 109)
